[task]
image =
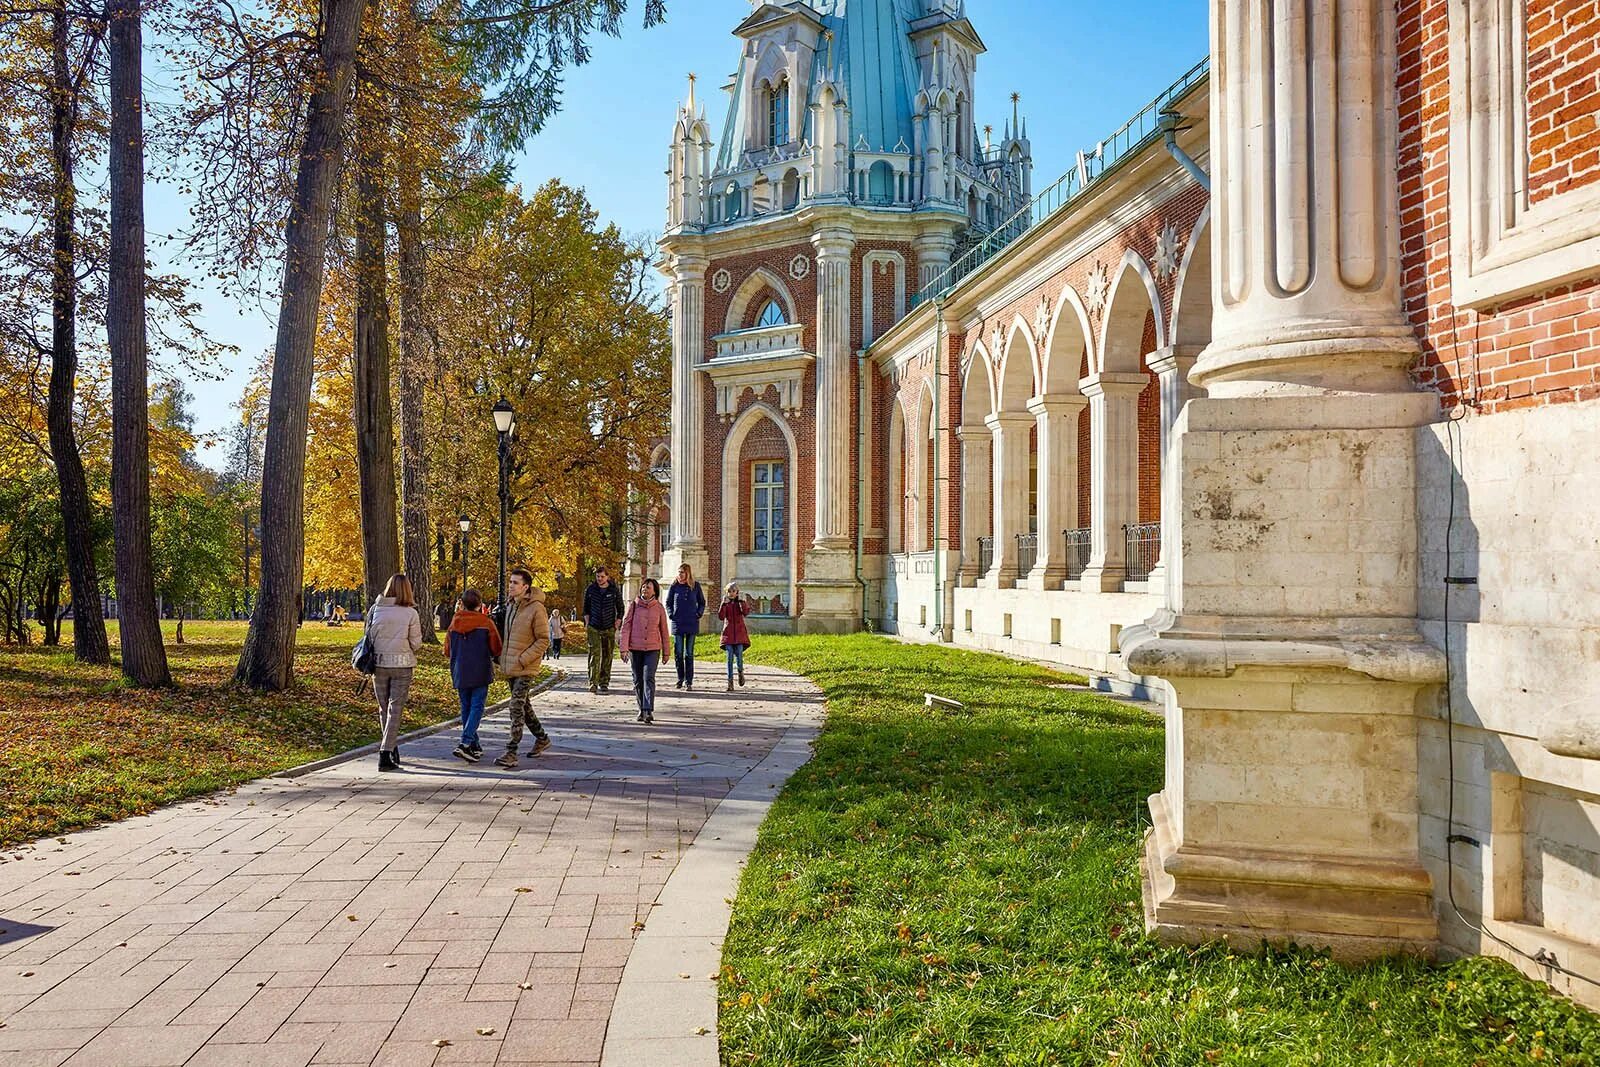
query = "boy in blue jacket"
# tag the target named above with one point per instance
(473, 645)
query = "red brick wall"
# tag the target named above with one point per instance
(1085, 469)
(1149, 432)
(1540, 349)
(1563, 96)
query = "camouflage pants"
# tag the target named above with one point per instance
(522, 712)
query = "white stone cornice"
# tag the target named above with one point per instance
(1060, 404)
(1113, 384)
(999, 422)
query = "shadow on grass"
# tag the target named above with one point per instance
(956, 889)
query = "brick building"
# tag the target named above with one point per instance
(1277, 407)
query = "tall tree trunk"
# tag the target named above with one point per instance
(144, 658)
(267, 661)
(374, 406)
(413, 364)
(89, 643)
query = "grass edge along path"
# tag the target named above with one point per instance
(963, 888)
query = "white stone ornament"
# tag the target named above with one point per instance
(1041, 321)
(997, 342)
(1167, 251)
(799, 268)
(722, 281)
(1098, 283)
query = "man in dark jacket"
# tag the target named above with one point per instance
(472, 643)
(602, 609)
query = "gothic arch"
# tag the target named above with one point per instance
(733, 446)
(760, 280)
(897, 477)
(926, 431)
(977, 388)
(1016, 380)
(1133, 297)
(1068, 351)
(1191, 300)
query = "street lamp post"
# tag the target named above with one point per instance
(466, 533)
(505, 418)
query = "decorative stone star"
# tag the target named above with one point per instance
(996, 341)
(1041, 319)
(799, 268)
(722, 281)
(1167, 251)
(1098, 284)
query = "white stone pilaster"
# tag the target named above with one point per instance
(933, 251)
(688, 292)
(977, 444)
(1172, 365)
(834, 363)
(1306, 232)
(1057, 429)
(1292, 552)
(1010, 493)
(1113, 474)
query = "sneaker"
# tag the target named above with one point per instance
(593, 688)
(641, 718)
(678, 684)
(539, 745)
(508, 761)
(468, 752)
(649, 718)
(387, 762)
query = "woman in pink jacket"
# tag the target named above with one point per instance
(642, 637)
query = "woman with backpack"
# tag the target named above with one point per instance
(642, 637)
(735, 634)
(395, 634)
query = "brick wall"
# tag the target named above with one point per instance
(1540, 349)
(1563, 96)
(1149, 432)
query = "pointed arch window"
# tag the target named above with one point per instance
(778, 114)
(772, 315)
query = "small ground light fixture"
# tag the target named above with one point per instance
(931, 700)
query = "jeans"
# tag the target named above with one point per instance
(643, 665)
(522, 712)
(390, 685)
(735, 655)
(602, 649)
(471, 713)
(555, 647)
(683, 656)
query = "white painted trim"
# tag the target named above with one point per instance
(1178, 290)
(898, 263)
(749, 289)
(1131, 261)
(1069, 384)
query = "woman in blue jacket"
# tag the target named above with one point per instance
(685, 604)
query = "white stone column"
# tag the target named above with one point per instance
(1058, 484)
(1292, 563)
(976, 482)
(832, 594)
(933, 251)
(1113, 475)
(1010, 500)
(687, 491)
(1172, 365)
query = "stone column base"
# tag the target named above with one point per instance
(695, 555)
(832, 593)
(1357, 909)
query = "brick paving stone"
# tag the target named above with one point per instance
(219, 932)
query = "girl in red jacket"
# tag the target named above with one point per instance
(735, 635)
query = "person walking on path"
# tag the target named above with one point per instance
(557, 631)
(602, 607)
(395, 632)
(735, 634)
(686, 603)
(527, 637)
(443, 613)
(472, 644)
(644, 636)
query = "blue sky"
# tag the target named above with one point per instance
(1082, 70)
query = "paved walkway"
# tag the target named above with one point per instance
(443, 915)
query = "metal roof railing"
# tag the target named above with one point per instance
(1133, 137)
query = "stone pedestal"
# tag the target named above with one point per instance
(832, 591)
(1297, 680)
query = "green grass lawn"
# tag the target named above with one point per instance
(77, 747)
(937, 888)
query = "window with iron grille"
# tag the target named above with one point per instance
(769, 507)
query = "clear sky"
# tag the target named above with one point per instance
(1082, 69)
